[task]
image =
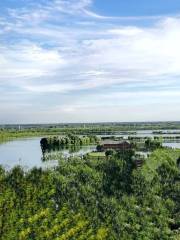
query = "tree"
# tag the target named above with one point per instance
(110, 152)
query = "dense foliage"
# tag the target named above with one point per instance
(152, 144)
(56, 142)
(92, 199)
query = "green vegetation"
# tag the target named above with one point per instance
(156, 138)
(52, 155)
(52, 143)
(152, 144)
(96, 155)
(13, 131)
(6, 135)
(157, 158)
(93, 199)
(120, 126)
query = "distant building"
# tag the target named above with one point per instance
(116, 145)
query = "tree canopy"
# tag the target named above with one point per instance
(93, 199)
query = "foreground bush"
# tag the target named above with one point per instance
(92, 199)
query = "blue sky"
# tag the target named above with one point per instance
(136, 7)
(89, 61)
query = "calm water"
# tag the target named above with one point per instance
(27, 152)
(172, 144)
(143, 133)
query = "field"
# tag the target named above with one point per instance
(96, 155)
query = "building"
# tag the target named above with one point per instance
(116, 145)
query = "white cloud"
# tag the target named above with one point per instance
(121, 54)
(48, 51)
(55, 9)
(51, 88)
(28, 61)
(148, 52)
(126, 31)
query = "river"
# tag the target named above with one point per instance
(27, 152)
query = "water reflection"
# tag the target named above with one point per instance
(69, 148)
(27, 153)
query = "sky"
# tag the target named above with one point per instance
(89, 61)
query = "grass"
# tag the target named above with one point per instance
(97, 154)
(157, 158)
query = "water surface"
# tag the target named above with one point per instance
(27, 152)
